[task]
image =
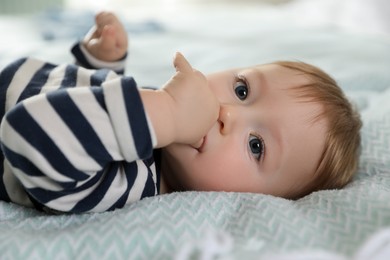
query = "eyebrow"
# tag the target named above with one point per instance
(274, 132)
(261, 77)
(258, 76)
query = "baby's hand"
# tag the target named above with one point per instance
(107, 40)
(194, 105)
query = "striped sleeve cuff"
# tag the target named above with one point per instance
(85, 59)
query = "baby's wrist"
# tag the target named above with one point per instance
(158, 106)
(88, 60)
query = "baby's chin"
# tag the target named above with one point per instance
(174, 163)
(181, 152)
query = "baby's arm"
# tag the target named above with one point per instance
(184, 102)
(71, 148)
(175, 109)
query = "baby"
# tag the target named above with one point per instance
(81, 140)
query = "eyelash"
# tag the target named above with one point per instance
(240, 81)
(262, 146)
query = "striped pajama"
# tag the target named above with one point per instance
(73, 139)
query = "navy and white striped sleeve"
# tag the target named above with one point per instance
(78, 149)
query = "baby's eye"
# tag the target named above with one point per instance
(241, 89)
(256, 146)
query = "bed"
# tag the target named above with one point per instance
(352, 223)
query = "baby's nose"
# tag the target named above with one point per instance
(227, 117)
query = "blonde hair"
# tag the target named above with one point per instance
(340, 157)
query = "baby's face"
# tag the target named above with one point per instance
(264, 141)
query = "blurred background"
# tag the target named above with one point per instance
(28, 6)
(357, 15)
(213, 34)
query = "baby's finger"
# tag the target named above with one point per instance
(181, 64)
(107, 38)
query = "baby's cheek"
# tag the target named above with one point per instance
(221, 174)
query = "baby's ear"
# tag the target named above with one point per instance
(181, 64)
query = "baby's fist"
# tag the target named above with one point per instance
(194, 105)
